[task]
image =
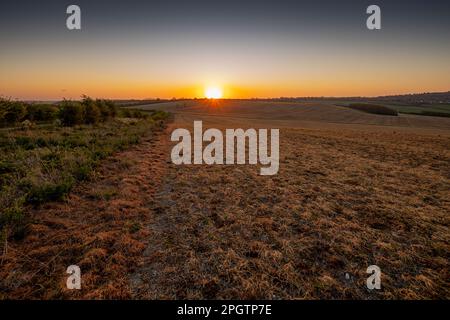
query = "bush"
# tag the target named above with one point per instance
(104, 109)
(12, 221)
(71, 113)
(133, 113)
(159, 115)
(68, 113)
(2, 111)
(83, 171)
(139, 114)
(126, 113)
(16, 112)
(92, 113)
(113, 109)
(11, 112)
(42, 112)
(42, 193)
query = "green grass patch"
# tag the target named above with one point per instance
(373, 108)
(442, 110)
(39, 165)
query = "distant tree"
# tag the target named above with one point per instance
(42, 112)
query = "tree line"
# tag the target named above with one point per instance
(67, 112)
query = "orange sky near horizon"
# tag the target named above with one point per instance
(135, 90)
(54, 87)
(33, 83)
(134, 69)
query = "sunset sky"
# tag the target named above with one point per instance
(148, 49)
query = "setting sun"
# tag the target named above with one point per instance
(213, 93)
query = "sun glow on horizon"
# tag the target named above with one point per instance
(213, 93)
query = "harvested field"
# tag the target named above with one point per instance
(342, 200)
(349, 193)
(287, 114)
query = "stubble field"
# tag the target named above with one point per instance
(344, 199)
(351, 193)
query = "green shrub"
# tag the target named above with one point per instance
(11, 112)
(113, 109)
(92, 113)
(12, 221)
(2, 113)
(43, 164)
(26, 143)
(71, 113)
(82, 172)
(42, 112)
(105, 112)
(45, 192)
(159, 115)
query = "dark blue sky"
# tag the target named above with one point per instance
(46, 18)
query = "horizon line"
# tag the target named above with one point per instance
(252, 98)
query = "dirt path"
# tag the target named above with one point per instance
(102, 228)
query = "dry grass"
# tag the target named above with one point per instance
(343, 200)
(294, 114)
(100, 227)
